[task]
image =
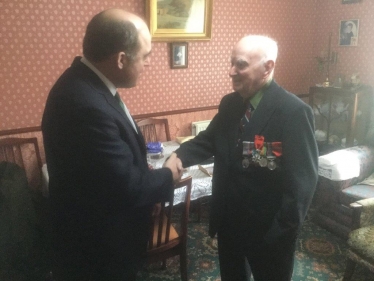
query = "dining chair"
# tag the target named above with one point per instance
(151, 129)
(23, 206)
(168, 233)
(25, 153)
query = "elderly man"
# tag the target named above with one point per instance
(265, 167)
(101, 189)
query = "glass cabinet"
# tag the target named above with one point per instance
(341, 115)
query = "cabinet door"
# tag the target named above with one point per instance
(340, 116)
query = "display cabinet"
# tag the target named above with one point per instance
(341, 115)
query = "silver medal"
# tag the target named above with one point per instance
(263, 162)
(271, 163)
(245, 163)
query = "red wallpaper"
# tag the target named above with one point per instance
(39, 39)
(357, 59)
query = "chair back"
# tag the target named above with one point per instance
(168, 233)
(25, 153)
(152, 130)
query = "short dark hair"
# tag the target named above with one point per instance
(105, 36)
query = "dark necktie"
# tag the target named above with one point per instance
(118, 98)
(123, 106)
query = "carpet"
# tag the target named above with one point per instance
(320, 256)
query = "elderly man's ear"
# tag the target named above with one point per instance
(269, 67)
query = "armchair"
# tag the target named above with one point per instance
(340, 175)
(361, 238)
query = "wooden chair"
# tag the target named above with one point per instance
(167, 240)
(25, 153)
(149, 130)
(20, 183)
(361, 238)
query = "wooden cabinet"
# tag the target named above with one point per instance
(341, 114)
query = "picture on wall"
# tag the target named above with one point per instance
(179, 20)
(350, 1)
(348, 32)
(179, 55)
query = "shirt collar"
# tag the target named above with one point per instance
(106, 81)
(255, 100)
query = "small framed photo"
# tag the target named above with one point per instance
(179, 55)
(350, 1)
(348, 32)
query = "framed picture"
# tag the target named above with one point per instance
(179, 20)
(348, 32)
(179, 55)
(350, 1)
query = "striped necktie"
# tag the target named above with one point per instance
(123, 106)
(247, 115)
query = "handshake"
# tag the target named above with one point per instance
(175, 165)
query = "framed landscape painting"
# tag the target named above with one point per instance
(350, 1)
(179, 20)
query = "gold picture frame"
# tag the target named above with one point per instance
(179, 20)
(350, 1)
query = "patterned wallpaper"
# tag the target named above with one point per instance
(39, 39)
(355, 59)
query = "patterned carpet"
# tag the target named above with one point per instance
(320, 256)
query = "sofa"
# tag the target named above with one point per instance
(342, 176)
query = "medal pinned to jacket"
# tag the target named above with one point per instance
(261, 153)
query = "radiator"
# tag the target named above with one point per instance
(199, 126)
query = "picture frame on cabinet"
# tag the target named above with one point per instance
(348, 32)
(179, 55)
(179, 20)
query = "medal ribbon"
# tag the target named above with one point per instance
(259, 142)
(277, 148)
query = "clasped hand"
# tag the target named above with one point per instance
(175, 165)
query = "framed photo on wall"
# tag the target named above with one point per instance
(179, 55)
(179, 20)
(348, 32)
(350, 1)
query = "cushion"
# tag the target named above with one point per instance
(339, 165)
(362, 241)
(353, 163)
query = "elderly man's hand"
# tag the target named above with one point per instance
(175, 165)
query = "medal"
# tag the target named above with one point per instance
(271, 163)
(263, 162)
(245, 163)
(259, 144)
(247, 148)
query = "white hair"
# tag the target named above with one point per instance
(266, 46)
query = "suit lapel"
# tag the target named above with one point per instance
(237, 109)
(99, 85)
(270, 101)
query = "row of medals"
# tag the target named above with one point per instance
(257, 157)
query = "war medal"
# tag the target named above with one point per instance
(247, 152)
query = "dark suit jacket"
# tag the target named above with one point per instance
(260, 203)
(100, 187)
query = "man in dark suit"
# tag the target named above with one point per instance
(265, 167)
(101, 189)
